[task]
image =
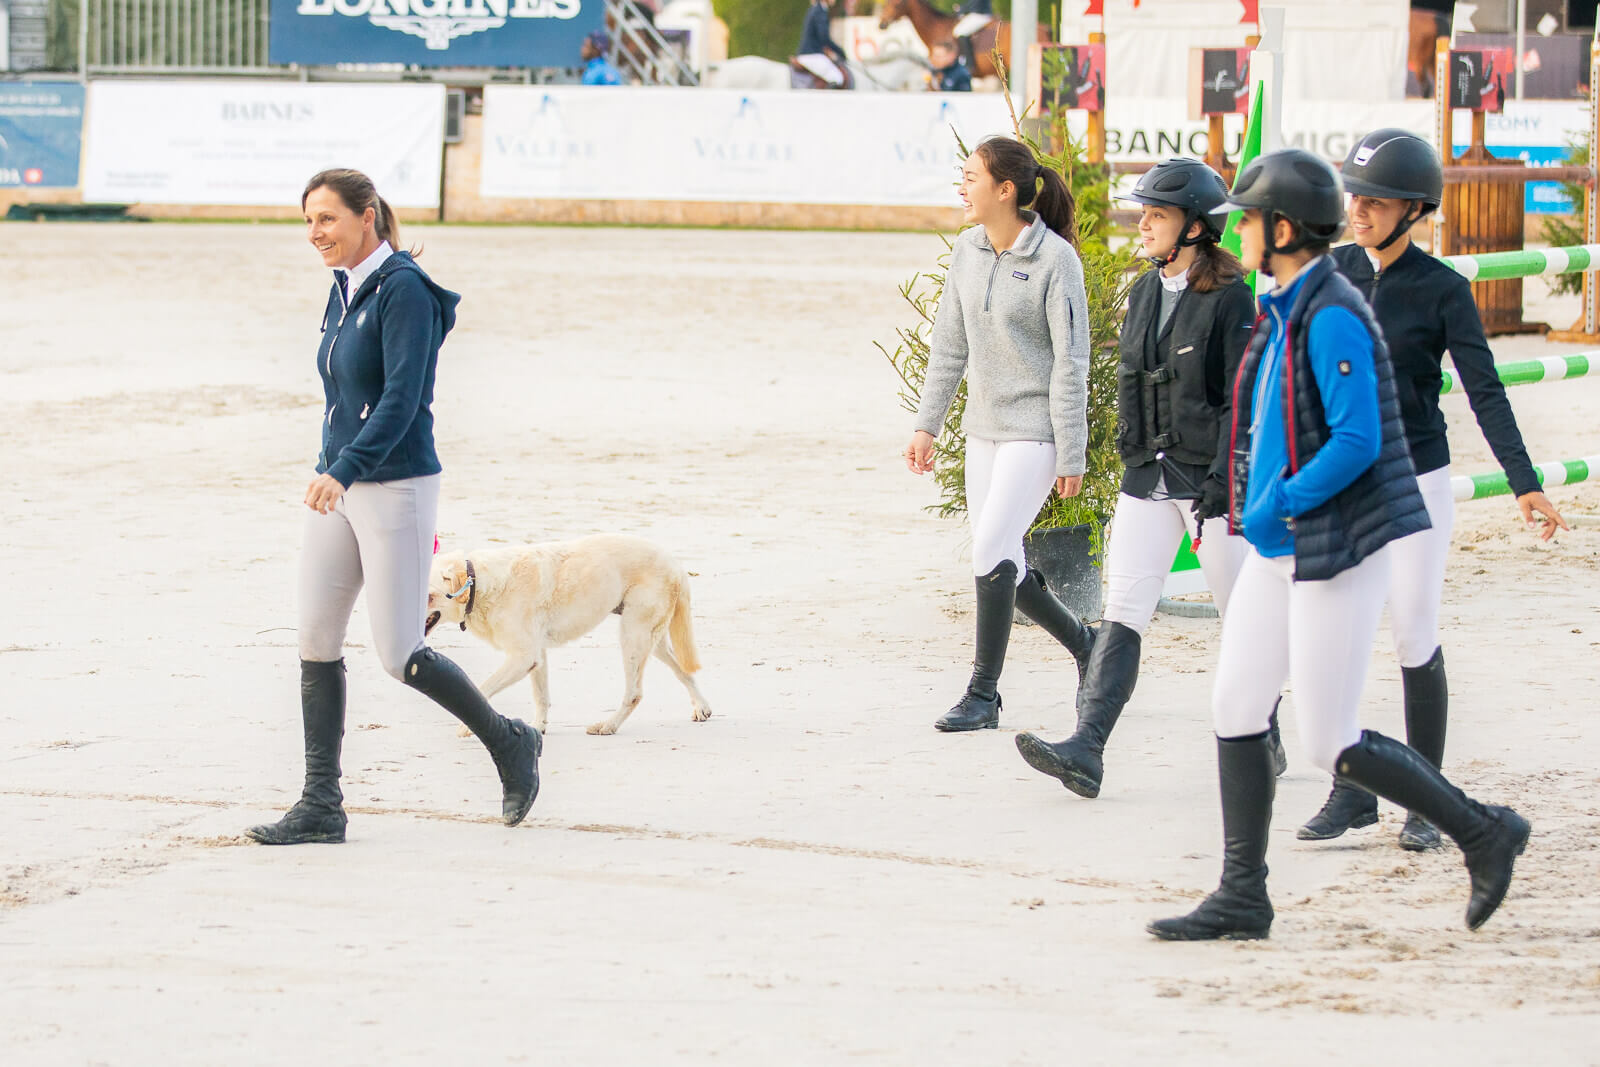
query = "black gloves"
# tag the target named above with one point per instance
(1213, 500)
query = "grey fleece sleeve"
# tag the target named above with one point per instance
(1067, 312)
(947, 356)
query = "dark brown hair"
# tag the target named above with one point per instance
(1213, 267)
(1009, 160)
(358, 194)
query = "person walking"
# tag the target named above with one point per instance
(1424, 309)
(1014, 318)
(1186, 326)
(373, 503)
(1321, 483)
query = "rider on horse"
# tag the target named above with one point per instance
(818, 54)
(975, 15)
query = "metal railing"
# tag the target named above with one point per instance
(172, 36)
(641, 51)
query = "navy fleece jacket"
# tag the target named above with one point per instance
(377, 361)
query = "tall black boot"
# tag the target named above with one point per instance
(1037, 602)
(514, 744)
(1427, 697)
(1280, 758)
(979, 707)
(1113, 672)
(1491, 837)
(318, 816)
(1239, 909)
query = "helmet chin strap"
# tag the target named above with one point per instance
(1184, 240)
(1414, 214)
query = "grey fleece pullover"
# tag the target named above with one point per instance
(1017, 324)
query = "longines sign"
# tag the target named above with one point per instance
(432, 33)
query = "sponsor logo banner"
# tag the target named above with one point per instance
(41, 133)
(432, 33)
(716, 144)
(255, 143)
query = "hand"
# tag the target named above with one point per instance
(919, 453)
(1212, 502)
(323, 493)
(1069, 485)
(1549, 517)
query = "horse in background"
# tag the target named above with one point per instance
(933, 25)
(1426, 29)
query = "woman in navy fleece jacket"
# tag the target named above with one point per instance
(373, 503)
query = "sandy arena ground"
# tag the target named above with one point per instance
(813, 876)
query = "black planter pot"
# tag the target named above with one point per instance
(1063, 557)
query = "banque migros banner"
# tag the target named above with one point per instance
(432, 33)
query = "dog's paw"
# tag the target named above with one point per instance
(702, 713)
(462, 731)
(602, 728)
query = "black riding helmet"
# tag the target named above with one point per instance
(1190, 186)
(1394, 164)
(1296, 186)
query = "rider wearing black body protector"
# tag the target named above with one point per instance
(1186, 327)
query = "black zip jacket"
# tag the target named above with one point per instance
(814, 36)
(1173, 384)
(1425, 309)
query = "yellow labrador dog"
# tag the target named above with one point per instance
(528, 599)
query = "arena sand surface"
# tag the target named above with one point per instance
(812, 876)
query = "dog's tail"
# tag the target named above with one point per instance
(680, 631)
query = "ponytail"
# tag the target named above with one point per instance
(1055, 205)
(384, 222)
(358, 193)
(1214, 267)
(1009, 160)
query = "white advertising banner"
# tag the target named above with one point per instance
(731, 145)
(256, 142)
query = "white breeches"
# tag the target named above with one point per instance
(1145, 535)
(1416, 574)
(1316, 635)
(1007, 483)
(822, 67)
(971, 24)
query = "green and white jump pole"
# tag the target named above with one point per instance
(1525, 263)
(1530, 371)
(1561, 472)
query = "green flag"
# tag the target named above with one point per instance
(1251, 149)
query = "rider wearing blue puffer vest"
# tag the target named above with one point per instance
(1322, 480)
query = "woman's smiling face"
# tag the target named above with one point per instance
(338, 234)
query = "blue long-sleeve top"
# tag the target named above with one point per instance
(1340, 352)
(814, 36)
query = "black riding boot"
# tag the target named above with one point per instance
(1037, 602)
(1113, 671)
(1427, 699)
(979, 707)
(1348, 807)
(318, 816)
(1491, 837)
(1239, 909)
(1280, 758)
(514, 744)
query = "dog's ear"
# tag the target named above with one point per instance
(458, 577)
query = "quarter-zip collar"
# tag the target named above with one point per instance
(1027, 243)
(357, 276)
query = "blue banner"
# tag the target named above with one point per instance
(432, 33)
(41, 134)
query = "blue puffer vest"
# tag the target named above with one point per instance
(1383, 503)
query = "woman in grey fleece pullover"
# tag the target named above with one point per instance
(1015, 320)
